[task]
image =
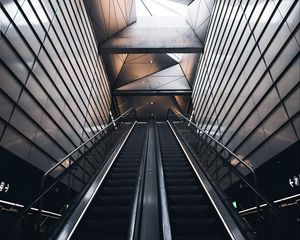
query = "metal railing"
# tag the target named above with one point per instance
(196, 138)
(70, 175)
(221, 145)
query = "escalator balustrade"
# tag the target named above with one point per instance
(109, 214)
(191, 213)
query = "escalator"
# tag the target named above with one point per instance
(109, 214)
(192, 215)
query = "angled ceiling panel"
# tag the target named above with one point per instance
(171, 71)
(199, 13)
(146, 105)
(154, 35)
(114, 64)
(138, 66)
(184, 2)
(141, 84)
(176, 84)
(183, 102)
(110, 16)
(188, 65)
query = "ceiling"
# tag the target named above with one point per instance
(151, 50)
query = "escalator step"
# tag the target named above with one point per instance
(184, 190)
(179, 211)
(179, 175)
(191, 226)
(118, 182)
(112, 200)
(203, 237)
(117, 190)
(107, 226)
(109, 212)
(181, 182)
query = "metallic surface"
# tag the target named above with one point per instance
(248, 79)
(54, 93)
(229, 223)
(110, 16)
(150, 222)
(69, 228)
(166, 228)
(154, 35)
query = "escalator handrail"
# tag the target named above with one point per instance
(83, 144)
(235, 171)
(221, 145)
(43, 192)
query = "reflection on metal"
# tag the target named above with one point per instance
(154, 35)
(110, 16)
(219, 205)
(198, 17)
(67, 231)
(144, 107)
(152, 93)
(162, 8)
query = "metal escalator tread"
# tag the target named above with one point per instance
(109, 213)
(191, 213)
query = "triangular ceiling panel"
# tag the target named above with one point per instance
(110, 16)
(138, 66)
(176, 84)
(141, 84)
(157, 82)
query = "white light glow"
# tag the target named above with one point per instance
(164, 8)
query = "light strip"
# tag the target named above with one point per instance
(33, 209)
(264, 205)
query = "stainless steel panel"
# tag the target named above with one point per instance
(9, 84)
(13, 61)
(21, 122)
(15, 143)
(289, 79)
(38, 159)
(276, 43)
(6, 107)
(285, 57)
(292, 102)
(30, 107)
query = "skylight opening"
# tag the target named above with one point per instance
(164, 8)
(176, 56)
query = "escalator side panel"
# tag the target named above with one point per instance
(192, 215)
(109, 214)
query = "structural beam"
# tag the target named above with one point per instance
(151, 92)
(154, 35)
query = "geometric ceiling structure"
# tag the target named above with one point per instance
(110, 16)
(154, 34)
(150, 51)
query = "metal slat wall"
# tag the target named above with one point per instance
(246, 91)
(54, 90)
